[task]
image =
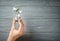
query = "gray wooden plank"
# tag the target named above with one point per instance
(41, 18)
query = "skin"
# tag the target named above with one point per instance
(14, 34)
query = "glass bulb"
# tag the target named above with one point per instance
(17, 13)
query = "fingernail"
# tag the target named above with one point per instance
(16, 19)
(19, 18)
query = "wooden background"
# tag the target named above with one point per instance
(41, 19)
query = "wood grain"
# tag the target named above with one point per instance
(41, 19)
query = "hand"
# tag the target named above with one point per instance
(14, 34)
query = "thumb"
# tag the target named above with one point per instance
(13, 24)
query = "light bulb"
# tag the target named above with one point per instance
(17, 12)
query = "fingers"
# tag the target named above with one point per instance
(14, 24)
(21, 25)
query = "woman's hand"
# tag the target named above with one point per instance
(14, 34)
